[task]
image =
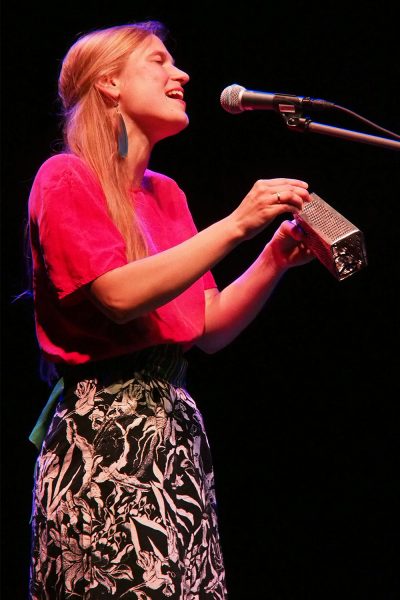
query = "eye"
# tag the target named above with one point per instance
(158, 58)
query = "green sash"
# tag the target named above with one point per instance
(42, 424)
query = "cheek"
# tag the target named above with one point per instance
(137, 100)
(144, 92)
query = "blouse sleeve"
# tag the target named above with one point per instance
(78, 240)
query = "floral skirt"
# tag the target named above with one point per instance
(124, 503)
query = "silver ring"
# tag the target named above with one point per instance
(279, 197)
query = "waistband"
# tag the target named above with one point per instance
(165, 362)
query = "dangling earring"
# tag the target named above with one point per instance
(122, 136)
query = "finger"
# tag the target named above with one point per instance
(285, 181)
(302, 192)
(294, 230)
(289, 199)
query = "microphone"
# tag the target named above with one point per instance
(236, 99)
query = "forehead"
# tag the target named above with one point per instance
(151, 45)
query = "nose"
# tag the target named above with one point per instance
(179, 75)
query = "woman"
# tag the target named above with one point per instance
(124, 502)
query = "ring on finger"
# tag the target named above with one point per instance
(278, 197)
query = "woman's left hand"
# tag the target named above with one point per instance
(288, 247)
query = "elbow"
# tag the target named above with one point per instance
(113, 307)
(116, 312)
(212, 349)
(109, 294)
(209, 344)
(118, 316)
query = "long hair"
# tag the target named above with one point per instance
(90, 131)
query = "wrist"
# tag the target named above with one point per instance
(233, 230)
(273, 258)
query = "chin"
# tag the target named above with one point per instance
(173, 128)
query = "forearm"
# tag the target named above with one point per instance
(139, 287)
(229, 312)
(143, 285)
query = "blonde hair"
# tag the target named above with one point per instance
(90, 131)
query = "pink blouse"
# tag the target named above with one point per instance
(74, 241)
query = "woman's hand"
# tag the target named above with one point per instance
(267, 199)
(287, 246)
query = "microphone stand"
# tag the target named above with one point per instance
(298, 123)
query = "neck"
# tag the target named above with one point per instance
(137, 160)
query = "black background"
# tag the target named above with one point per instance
(301, 408)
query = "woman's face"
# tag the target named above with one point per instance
(151, 91)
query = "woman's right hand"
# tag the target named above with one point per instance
(267, 199)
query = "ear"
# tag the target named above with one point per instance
(109, 87)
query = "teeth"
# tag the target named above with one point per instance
(175, 94)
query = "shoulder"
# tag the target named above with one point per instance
(63, 180)
(62, 168)
(154, 181)
(167, 194)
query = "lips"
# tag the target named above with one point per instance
(175, 94)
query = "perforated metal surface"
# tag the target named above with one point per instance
(325, 219)
(230, 99)
(335, 241)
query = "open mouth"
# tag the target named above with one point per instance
(175, 94)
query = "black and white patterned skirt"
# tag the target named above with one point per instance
(124, 503)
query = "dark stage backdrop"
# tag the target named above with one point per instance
(301, 408)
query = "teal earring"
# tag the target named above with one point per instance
(122, 136)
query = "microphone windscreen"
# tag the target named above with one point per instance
(230, 98)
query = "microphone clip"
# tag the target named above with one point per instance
(292, 112)
(296, 122)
